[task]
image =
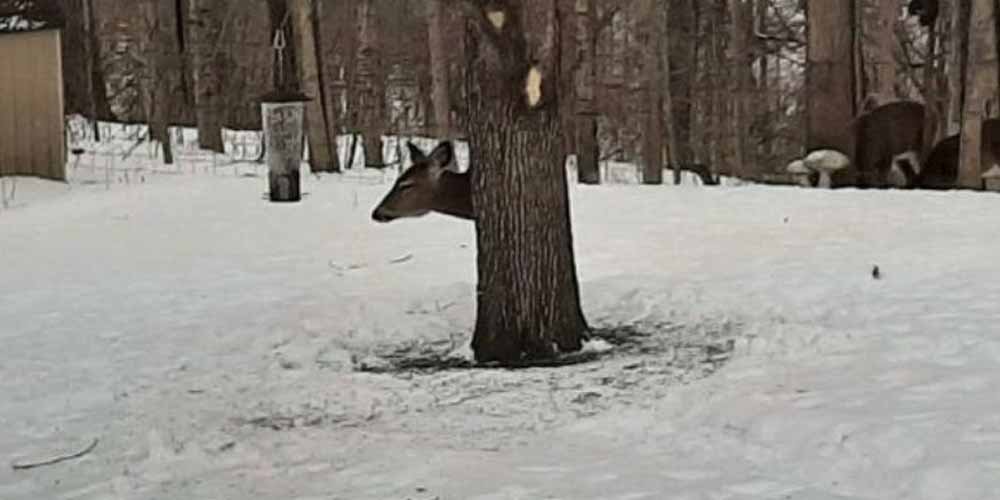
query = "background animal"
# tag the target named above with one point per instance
(883, 133)
(940, 168)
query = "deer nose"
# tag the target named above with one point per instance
(378, 216)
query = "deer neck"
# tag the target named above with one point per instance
(454, 195)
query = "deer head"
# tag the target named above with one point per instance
(427, 186)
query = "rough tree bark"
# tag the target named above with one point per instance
(669, 125)
(528, 303)
(99, 106)
(208, 18)
(715, 123)
(440, 95)
(884, 86)
(588, 170)
(829, 80)
(652, 133)
(958, 62)
(934, 91)
(742, 36)
(369, 88)
(763, 105)
(76, 58)
(164, 89)
(981, 87)
(338, 40)
(681, 35)
(322, 136)
(569, 50)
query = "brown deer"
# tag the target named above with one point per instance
(884, 133)
(427, 186)
(941, 166)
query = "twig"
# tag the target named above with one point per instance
(402, 259)
(610, 155)
(138, 142)
(382, 166)
(53, 461)
(350, 267)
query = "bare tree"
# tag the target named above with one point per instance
(85, 89)
(321, 132)
(589, 22)
(337, 55)
(716, 77)
(369, 86)
(440, 94)
(958, 62)
(652, 133)
(681, 48)
(208, 19)
(885, 53)
(741, 12)
(528, 303)
(829, 81)
(981, 81)
(163, 77)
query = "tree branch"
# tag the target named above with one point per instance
(53, 461)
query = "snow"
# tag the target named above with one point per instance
(212, 342)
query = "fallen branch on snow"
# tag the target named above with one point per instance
(338, 267)
(53, 461)
(402, 259)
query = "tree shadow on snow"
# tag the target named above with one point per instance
(713, 347)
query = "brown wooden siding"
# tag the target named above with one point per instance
(32, 137)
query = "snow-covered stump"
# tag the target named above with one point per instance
(282, 116)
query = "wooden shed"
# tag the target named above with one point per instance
(32, 126)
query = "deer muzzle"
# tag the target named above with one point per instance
(379, 215)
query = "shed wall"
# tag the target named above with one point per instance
(32, 128)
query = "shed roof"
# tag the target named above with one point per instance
(18, 16)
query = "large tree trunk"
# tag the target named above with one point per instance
(321, 133)
(99, 107)
(742, 33)
(370, 86)
(829, 81)
(981, 81)
(569, 50)
(716, 121)
(338, 41)
(76, 60)
(766, 94)
(958, 62)
(884, 86)
(163, 75)
(528, 303)
(934, 91)
(652, 133)
(440, 95)
(588, 170)
(206, 30)
(681, 35)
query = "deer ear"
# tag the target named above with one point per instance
(416, 154)
(442, 154)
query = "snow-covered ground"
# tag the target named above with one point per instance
(213, 342)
